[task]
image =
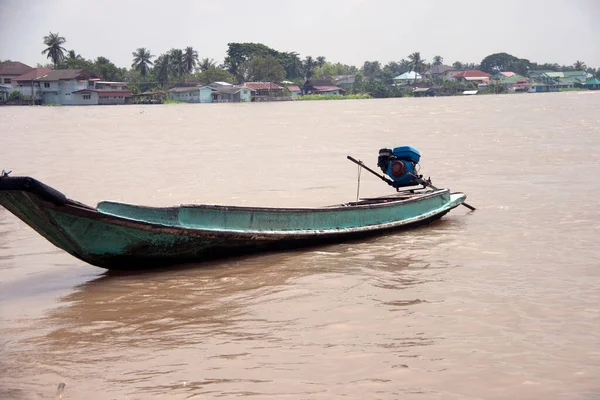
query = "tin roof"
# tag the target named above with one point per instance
(184, 89)
(66, 74)
(14, 68)
(294, 88)
(574, 73)
(231, 89)
(262, 86)
(472, 74)
(513, 79)
(32, 75)
(440, 69)
(409, 75)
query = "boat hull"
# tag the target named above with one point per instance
(125, 237)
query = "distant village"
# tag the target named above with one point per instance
(81, 87)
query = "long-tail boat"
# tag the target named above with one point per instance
(124, 236)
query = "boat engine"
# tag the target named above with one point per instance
(400, 164)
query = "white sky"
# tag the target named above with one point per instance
(348, 31)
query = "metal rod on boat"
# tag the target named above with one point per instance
(360, 163)
(427, 183)
(470, 207)
(389, 182)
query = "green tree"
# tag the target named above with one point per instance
(397, 68)
(15, 95)
(162, 70)
(327, 70)
(77, 63)
(266, 69)
(177, 63)
(347, 69)
(137, 83)
(214, 74)
(239, 53)
(293, 66)
(73, 55)
(309, 66)
(321, 60)
(579, 66)
(190, 57)
(438, 60)
(142, 60)
(501, 62)
(371, 69)
(206, 63)
(107, 70)
(331, 70)
(55, 50)
(417, 64)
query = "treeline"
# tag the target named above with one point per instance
(257, 62)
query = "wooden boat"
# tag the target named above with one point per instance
(123, 236)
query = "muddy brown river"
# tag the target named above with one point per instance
(500, 303)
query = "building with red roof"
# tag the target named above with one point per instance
(28, 85)
(10, 70)
(264, 90)
(472, 76)
(321, 86)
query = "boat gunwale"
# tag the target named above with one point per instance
(77, 209)
(372, 203)
(251, 234)
(266, 234)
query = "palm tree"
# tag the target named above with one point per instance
(438, 60)
(580, 66)
(294, 67)
(190, 57)
(72, 55)
(309, 65)
(206, 63)
(417, 64)
(177, 62)
(405, 65)
(55, 50)
(321, 61)
(142, 60)
(161, 69)
(371, 69)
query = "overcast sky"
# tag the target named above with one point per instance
(347, 31)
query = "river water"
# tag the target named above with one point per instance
(501, 303)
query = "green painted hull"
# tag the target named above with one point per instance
(122, 236)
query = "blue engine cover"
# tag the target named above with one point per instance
(407, 153)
